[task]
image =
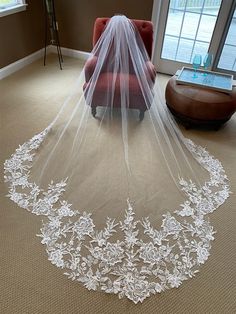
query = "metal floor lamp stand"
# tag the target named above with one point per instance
(50, 19)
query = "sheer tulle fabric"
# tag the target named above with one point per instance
(111, 145)
(125, 201)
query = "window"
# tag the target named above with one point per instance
(189, 28)
(227, 60)
(7, 3)
(184, 28)
(11, 6)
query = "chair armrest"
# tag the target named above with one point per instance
(90, 67)
(151, 70)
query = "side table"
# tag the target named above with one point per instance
(196, 105)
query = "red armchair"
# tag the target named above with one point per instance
(136, 99)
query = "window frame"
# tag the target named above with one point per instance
(159, 18)
(11, 9)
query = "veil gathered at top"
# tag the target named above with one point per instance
(125, 202)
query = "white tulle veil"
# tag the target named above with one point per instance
(125, 202)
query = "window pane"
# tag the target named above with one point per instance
(185, 50)
(174, 22)
(191, 23)
(230, 39)
(170, 47)
(200, 48)
(7, 3)
(212, 7)
(227, 59)
(206, 28)
(194, 5)
(179, 4)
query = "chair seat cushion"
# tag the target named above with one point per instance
(122, 81)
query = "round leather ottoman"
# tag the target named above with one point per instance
(193, 105)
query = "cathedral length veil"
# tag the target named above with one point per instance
(125, 203)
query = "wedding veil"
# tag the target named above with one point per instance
(125, 201)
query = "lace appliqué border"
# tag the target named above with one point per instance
(130, 267)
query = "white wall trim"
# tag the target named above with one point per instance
(19, 64)
(82, 55)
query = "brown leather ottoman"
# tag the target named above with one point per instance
(193, 105)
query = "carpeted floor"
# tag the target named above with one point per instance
(29, 99)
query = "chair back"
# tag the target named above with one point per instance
(145, 29)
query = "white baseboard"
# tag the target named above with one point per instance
(82, 55)
(19, 64)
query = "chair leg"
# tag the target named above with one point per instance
(94, 111)
(141, 115)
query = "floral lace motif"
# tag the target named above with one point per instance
(144, 261)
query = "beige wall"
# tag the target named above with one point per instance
(21, 33)
(76, 18)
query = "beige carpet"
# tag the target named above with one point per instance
(29, 283)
